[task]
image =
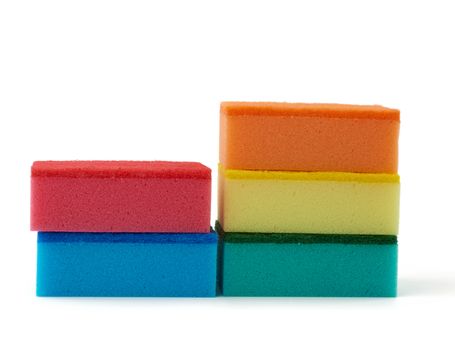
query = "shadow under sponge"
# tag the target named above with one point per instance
(127, 264)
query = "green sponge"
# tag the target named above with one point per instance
(308, 265)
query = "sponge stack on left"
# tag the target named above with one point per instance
(123, 228)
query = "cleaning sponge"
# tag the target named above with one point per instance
(313, 265)
(120, 196)
(309, 137)
(127, 264)
(317, 270)
(308, 202)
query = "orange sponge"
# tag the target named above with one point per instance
(309, 137)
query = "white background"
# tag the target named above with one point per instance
(143, 80)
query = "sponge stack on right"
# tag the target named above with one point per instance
(308, 199)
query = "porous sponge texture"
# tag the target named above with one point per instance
(312, 270)
(309, 137)
(124, 264)
(259, 237)
(121, 169)
(298, 202)
(120, 197)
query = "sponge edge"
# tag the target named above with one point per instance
(124, 264)
(308, 176)
(138, 238)
(258, 237)
(326, 110)
(309, 137)
(121, 169)
(120, 197)
(325, 203)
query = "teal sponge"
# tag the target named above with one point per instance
(314, 266)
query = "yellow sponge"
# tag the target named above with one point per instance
(308, 202)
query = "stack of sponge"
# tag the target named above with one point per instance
(123, 228)
(308, 199)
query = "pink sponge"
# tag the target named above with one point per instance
(120, 196)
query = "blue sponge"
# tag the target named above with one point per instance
(127, 264)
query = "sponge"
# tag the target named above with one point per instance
(309, 265)
(309, 137)
(312, 270)
(120, 196)
(308, 202)
(127, 264)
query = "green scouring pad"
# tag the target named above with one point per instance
(313, 265)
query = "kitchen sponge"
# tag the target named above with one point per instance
(120, 196)
(308, 265)
(127, 264)
(308, 202)
(309, 137)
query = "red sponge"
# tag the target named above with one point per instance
(120, 196)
